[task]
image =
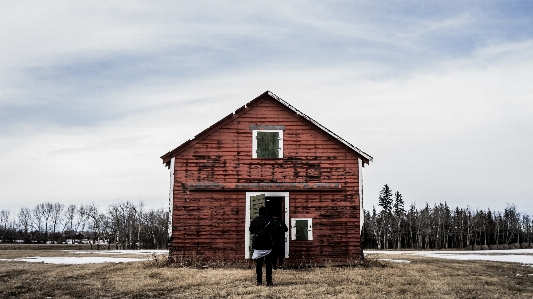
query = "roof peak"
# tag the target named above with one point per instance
(166, 157)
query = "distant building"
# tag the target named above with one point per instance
(267, 153)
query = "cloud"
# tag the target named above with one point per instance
(93, 93)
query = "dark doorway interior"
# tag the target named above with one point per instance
(275, 203)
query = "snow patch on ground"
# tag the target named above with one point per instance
(76, 260)
(394, 261)
(119, 252)
(425, 252)
(524, 256)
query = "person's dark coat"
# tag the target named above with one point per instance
(278, 232)
(260, 228)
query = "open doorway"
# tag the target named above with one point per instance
(273, 204)
(273, 201)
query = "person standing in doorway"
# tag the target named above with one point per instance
(278, 240)
(261, 227)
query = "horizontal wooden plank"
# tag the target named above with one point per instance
(263, 186)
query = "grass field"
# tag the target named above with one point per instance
(423, 277)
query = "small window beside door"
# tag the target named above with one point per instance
(267, 144)
(301, 229)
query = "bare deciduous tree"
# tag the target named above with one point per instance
(24, 217)
(37, 221)
(4, 219)
(69, 227)
(57, 213)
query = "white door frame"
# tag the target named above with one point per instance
(247, 222)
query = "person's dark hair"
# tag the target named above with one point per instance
(263, 211)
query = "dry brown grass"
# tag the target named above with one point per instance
(422, 278)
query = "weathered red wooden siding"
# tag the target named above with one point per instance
(208, 223)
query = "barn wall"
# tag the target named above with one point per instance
(205, 223)
(213, 221)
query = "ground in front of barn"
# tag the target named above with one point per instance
(391, 275)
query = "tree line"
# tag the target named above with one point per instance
(442, 227)
(123, 225)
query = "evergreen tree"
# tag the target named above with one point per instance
(385, 202)
(443, 227)
(385, 199)
(398, 218)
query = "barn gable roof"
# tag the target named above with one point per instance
(187, 144)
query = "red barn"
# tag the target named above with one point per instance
(267, 153)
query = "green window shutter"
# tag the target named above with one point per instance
(267, 145)
(255, 203)
(301, 230)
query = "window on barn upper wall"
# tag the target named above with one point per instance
(301, 229)
(267, 144)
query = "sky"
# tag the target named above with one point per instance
(93, 93)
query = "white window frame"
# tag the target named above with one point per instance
(309, 229)
(254, 143)
(247, 220)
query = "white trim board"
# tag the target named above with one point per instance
(171, 197)
(361, 211)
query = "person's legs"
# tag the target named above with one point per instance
(259, 270)
(268, 265)
(281, 256)
(274, 259)
(278, 252)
